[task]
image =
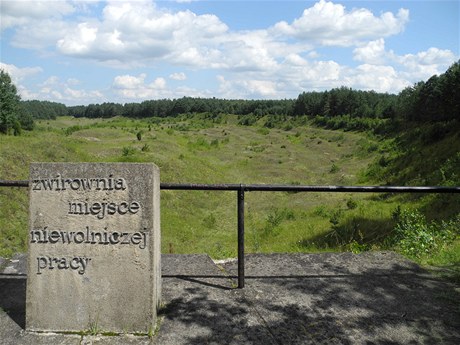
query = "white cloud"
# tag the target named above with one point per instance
(139, 31)
(129, 86)
(26, 12)
(36, 24)
(330, 24)
(78, 95)
(297, 74)
(392, 72)
(277, 62)
(239, 87)
(295, 60)
(372, 52)
(178, 76)
(129, 82)
(250, 88)
(411, 67)
(17, 74)
(53, 80)
(426, 63)
(377, 78)
(83, 36)
(137, 88)
(252, 51)
(54, 89)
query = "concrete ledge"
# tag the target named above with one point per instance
(331, 298)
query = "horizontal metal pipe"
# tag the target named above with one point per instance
(9, 183)
(355, 189)
(283, 188)
(295, 188)
(199, 186)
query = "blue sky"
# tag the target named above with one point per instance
(82, 52)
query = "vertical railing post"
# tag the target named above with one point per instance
(241, 237)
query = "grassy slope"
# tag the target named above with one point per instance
(428, 155)
(203, 152)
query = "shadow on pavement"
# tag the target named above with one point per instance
(13, 298)
(322, 299)
(374, 299)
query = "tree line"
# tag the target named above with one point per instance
(184, 105)
(437, 99)
(434, 100)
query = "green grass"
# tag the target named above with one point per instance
(197, 150)
(445, 262)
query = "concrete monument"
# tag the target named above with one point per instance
(94, 247)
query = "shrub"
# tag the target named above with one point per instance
(415, 237)
(352, 204)
(263, 131)
(215, 143)
(247, 120)
(334, 168)
(335, 218)
(322, 211)
(275, 218)
(128, 151)
(200, 144)
(72, 129)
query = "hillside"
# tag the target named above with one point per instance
(198, 149)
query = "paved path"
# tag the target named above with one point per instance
(341, 298)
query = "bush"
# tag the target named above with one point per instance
(335, 218)
(275, 218)
(128, 151)
(247, 120)
(72, 129)
(350, 123)
(415, 237)
(334, 169)
(263, 131)
(215, 143)
(352, 204)
(450, 175)
(200, 144)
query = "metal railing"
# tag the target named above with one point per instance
(242, 188)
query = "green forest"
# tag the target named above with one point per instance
(434, 100)
(336, 137)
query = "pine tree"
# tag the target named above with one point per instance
(9, 106)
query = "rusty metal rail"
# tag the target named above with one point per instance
(242, 188)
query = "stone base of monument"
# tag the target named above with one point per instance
(94, 248)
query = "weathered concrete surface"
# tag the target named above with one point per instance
(94, 247)
(372, 298)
